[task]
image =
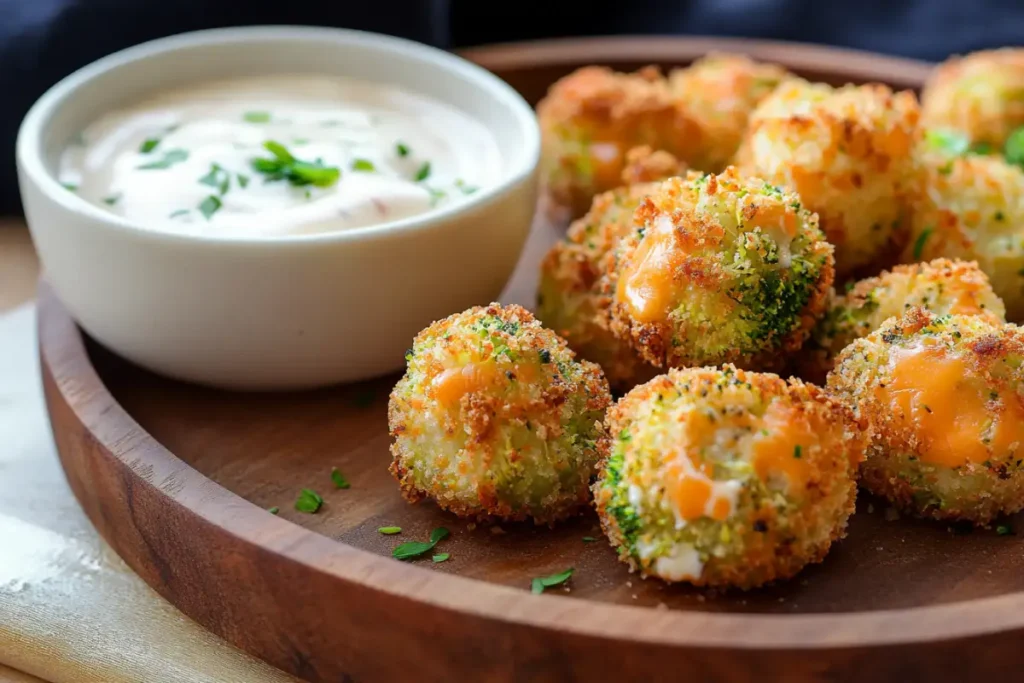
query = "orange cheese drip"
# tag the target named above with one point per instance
(776, 453)
(646, 283)
(951, 416)
(454, 383)
(688, 493)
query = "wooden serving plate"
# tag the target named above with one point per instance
(178, 479)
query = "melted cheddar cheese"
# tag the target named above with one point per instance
(646, 285)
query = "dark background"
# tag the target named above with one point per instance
(41, 41)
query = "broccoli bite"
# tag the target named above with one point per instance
(717, 94)
(494, 418)
(943, 397)
(847, 153)
(725, 477)
(568, 300)
(592, 117)
(940, 286)
(980, 95)
(718, 268)
(972, 208)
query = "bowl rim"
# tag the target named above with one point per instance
(29, 145)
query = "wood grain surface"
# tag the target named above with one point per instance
(19, 266)
(178, 480)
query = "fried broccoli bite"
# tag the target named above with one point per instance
(940, 286)
(725, 477)
(847, 153)
(972, 208)
(718, 269)
(980, 95)
(591, 118)
(717, 95)
(494, 418)
(944, 399)
(568, 300)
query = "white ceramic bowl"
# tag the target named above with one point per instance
(274, 312)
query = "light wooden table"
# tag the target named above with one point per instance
(19, 267)
(19, 270)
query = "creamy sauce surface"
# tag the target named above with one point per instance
(336, 154)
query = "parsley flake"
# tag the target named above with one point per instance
(274, 510)
(424, 172)
(217, 177)
(339, 479)
(440, 557)
(798, 451)
(1005, 530)
(284, 166)
(112, 199)
(390, 530)
(1014, 149)
(363, 165)
(210, 206)
(589, 539)
(171, 157)
(257, 116)
(949, 141)
(414, 549)
(148, 145)
(401, 149)
(70, 187)
(179, 212)
(538, 585)
(309, 501)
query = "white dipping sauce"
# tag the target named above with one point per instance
(398, 154)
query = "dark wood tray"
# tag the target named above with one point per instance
(178, 479)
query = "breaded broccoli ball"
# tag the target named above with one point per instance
(980, 95)
(972, 208)
(494, 418)
(944, 399)
(725, 477)
(591, 118)
(940, 286)
(847, 153)
(719, 269)
(717, 94)
(568, 300)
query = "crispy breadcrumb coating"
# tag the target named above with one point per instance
(940, 286)
(847, 153)
(590, 118)
(720, 269)
(494, 418)
(943, 397)
(725, 477)
(972, 208)
(981, 95)
(568, 300)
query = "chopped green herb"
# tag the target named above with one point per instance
(1005, 530)
(257, 116)
(339, 479)
(284, 166)
(390, 530)
(363, 165)
(1014, 148)
(919, 242)
(171, 157)
(949, 141)
(798, 451)
(413, 549)
(401, 149)
(300, 141)
(274, 510)
(466, 189)
(218, 178)
(112, 199)
(179, 212)
(209, 206)
(538, 585)
(70, 187)
(148, 145)
(440, 557)
(981, 148)
(589, 539)
(309, 501)
(436, 195)
(243, 180)
(424, 172)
